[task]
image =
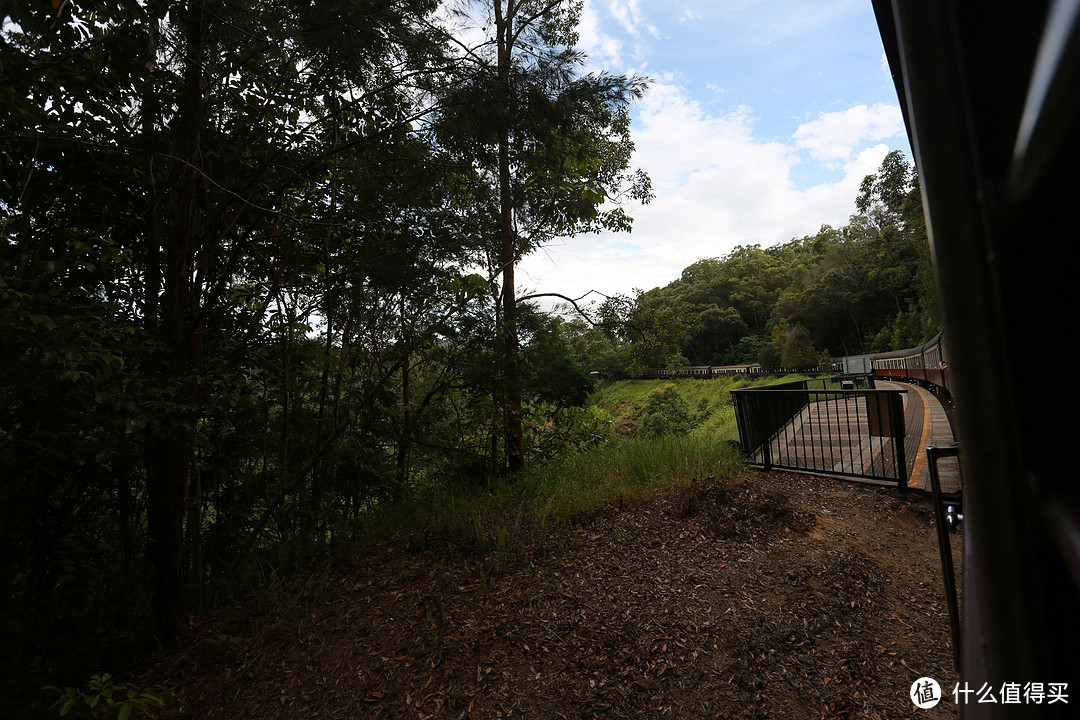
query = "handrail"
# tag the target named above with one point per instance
(948, 575)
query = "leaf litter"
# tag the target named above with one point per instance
(780, 595)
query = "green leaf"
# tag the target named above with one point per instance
(154, 697)
(43, 320)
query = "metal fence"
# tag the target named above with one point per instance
(837, 426)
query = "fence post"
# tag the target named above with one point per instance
(896, 409)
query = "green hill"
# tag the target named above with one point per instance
(626, 400)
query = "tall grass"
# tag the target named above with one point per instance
(627, 470)
(720, 426)
(502, 521)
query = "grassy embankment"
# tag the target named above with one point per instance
(626, 399)
(502, 520)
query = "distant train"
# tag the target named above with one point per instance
(925, 365)
(702, 372)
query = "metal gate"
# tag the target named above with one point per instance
(827, 425)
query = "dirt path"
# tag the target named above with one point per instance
(735, 603)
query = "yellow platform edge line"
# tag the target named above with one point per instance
(920, 456)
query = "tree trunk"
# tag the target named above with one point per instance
(404, 442)
(194, 530)
(166, 491)
(515, 446)
(169, 461)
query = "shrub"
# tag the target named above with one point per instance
(104, 698)
(666, 413)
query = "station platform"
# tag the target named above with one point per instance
(927, 424)
(833, 433)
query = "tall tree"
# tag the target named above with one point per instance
(189, 149)
(551, 143)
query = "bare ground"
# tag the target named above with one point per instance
(778, 596)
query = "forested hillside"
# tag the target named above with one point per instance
(864, 287)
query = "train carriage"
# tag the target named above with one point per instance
(925, 364)
(701, 372)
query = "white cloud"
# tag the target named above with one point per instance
(629, 16)
(834, 136)
(726, 166)
(603, 49)
(717, 185)
(689, 16)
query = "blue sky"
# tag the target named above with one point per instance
(761, 120)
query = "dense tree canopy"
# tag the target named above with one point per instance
(256, 280)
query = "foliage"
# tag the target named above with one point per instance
(551, 373)
(791, 349)
(105, 698)
(501, 521)
(240, 312)
(667, 413)
(556, 431)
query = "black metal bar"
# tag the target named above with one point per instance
(766, 458)
(847, 423)
(899, 434)
(948, 574)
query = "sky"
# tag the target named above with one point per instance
(761, 120)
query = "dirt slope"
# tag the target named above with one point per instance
(786, 596)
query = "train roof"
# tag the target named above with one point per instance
(909, 351)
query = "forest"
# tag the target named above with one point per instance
(257, 286)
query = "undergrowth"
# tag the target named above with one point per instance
(501, 522)
(626, 400)
(504, 521)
